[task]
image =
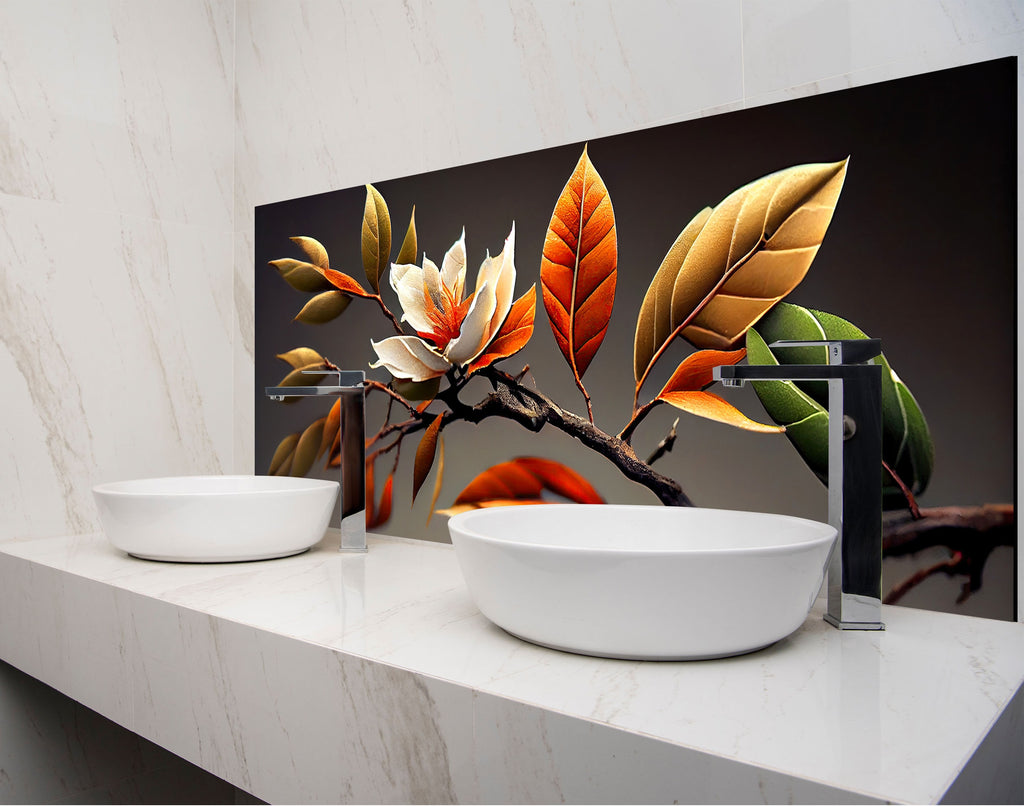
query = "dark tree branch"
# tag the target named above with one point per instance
(533, 410)
(970, 533)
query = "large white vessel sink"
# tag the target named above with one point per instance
(639, 582)
(206, 519)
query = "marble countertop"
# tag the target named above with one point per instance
(373, 678)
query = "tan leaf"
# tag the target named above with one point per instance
(712, 407)
(307, 448)
(754, 249)
(654, 324)
(284, 450)
(301, 276)
(323, 308)
(301, 357)
(439, 476)
(314, 251)
(407, 253)
(376, 237)
(425, 454)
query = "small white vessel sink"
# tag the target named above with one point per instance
(642, 582)
(209, 519)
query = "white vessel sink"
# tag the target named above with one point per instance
(208, 519)
(645, 583)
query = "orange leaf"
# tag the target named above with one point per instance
(383, 513)
(578, 267)
(514, 333)
(695, 373)
(342, 281)
(332, 429)
(455, 509)
(522, 480)
(562, 480)
(425, 454)
(712, 407)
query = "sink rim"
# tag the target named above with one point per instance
(282, 485)
(464, 521)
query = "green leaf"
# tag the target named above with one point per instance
(906, 441)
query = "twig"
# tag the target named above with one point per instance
(911, 501)
(666, 444)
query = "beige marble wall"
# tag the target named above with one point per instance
(116, 312)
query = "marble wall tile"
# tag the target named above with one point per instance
(119, 106)
(809, 40)
(116, 174)
(117, 346)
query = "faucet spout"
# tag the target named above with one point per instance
(348, 385)
(854, 465)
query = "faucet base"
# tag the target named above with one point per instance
(853, 625)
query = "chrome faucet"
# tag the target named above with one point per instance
(349, 387)
(854, 468)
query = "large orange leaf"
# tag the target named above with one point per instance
(578, 267)
(712, 407)
(522, 481)
(515, 332)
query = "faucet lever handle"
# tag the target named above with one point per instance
(840, 351)
(335, 372)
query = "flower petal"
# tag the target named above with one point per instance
(475, 333)
(453, 268)
(495, 283)
(506, 281)
(432, 282)
(409, 358)
(407, 281)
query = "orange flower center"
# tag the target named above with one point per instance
(446, 319)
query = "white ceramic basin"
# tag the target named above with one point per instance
(646, 583)
(208, 519)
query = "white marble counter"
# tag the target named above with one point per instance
(373, 678)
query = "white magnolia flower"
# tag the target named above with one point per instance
(452, 330)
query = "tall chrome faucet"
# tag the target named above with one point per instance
(349, 386)
(854, 468)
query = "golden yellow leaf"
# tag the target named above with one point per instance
(285, 449)
(755, 248)
(376, 237)
(307, 448)
(712, 407)
(314, 250)
(323, 308)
